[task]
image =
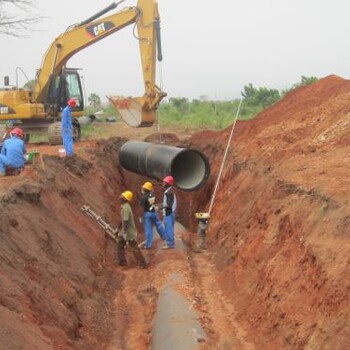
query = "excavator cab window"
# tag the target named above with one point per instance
(63, 87)
(74, 88)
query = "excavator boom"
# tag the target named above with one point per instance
(145, 15)
(55, 84)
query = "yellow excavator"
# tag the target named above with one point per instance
(55, 84)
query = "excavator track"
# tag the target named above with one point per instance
(55, 134)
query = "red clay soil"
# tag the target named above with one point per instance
(281, 219)
(275, 275)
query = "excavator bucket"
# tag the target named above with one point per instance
(132, 110)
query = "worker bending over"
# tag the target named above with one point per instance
(169, 208)
(128, 233)
(150, 217)
(12, 152)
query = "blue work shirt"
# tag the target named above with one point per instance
(67, 119)
(14, 150)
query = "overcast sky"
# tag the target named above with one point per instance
(210, 48)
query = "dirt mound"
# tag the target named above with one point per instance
(281, 218)
(161, 137)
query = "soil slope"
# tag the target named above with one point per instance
(281, 219)
(275, 275)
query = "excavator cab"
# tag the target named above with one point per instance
(61, 88)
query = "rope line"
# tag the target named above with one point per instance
(224, 157)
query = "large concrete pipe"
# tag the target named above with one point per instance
(190, 168)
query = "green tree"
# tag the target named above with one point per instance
(94, 100)
(260, 96)
(304, 81)
(181, 104)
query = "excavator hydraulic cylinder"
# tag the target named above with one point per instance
(189, 167)
(159, 42)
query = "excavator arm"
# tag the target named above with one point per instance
(138, 111)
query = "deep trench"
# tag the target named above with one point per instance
(59, 276)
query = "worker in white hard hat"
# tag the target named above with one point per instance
(128, 233)
(150, 216)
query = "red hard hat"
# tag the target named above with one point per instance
(169, 180)
(72, 102)
(17, 131)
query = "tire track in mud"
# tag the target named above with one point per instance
(216, 312)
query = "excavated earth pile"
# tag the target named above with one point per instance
(57, 275)
(281, 219)
(275, 275)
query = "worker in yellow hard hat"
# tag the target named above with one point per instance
(203, 222)
(128, 233)
(150, 216)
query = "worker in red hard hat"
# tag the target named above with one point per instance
(169, 209)
(12, 152)
(67, 127)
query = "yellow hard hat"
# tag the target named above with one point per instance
(204, 216)
(148, 186)
(127, 195)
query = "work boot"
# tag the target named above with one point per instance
(165, 247)
(143, 265)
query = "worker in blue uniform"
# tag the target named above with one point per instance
(12, 152)
(67, 127)
(150, 217)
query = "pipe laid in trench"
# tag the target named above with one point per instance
(176, 324)
(189, 167)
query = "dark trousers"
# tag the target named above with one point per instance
(135, 249)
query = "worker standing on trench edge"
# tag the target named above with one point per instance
(67, 127)
(128, 234)
(12, 152)
(169, 208)
(150, 216)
